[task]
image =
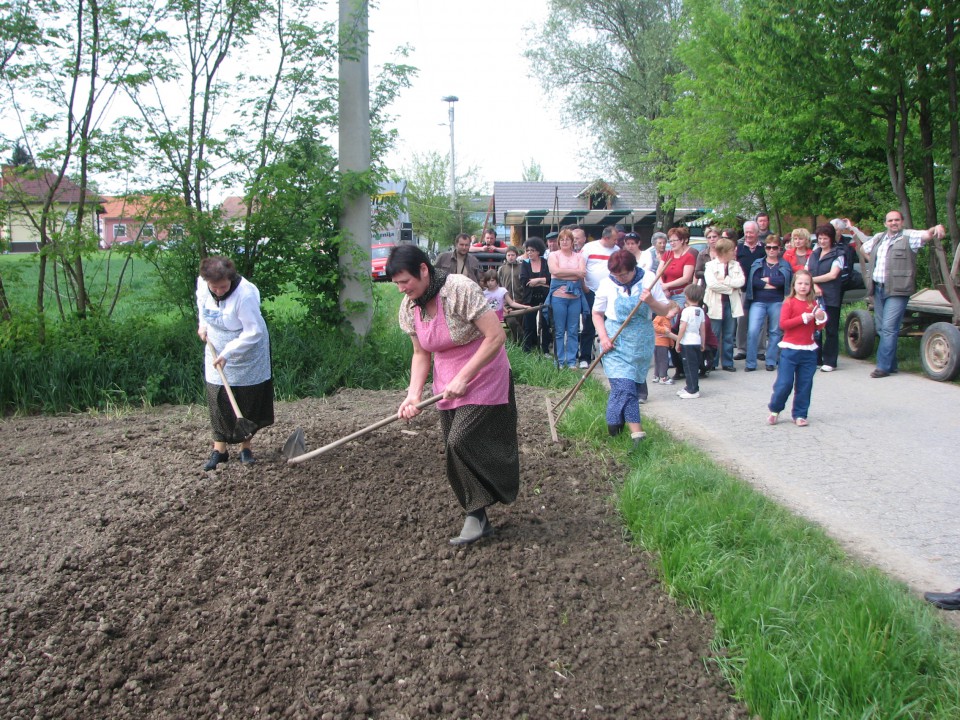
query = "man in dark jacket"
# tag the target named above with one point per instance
(459, 261)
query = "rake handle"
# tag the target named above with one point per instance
(568, 398)
(226, 385)
(359, 433)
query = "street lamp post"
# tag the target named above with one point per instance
(451, 99)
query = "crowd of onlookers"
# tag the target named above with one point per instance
(745, 278)
(739, 285)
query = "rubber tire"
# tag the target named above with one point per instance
(940, 351)
(860, 334)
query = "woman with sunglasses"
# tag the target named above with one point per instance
(767, 282)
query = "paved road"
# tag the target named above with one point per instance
(878, 467)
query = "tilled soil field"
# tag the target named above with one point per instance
(135, 585)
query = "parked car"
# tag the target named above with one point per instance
(378, 260)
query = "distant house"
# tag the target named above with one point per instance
(536, 208)
(23, 192)
(135, 218)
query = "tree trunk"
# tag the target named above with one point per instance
(952, 190)
(927, 179)
(5, 313)
(896, 113)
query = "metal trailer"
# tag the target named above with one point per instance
(933, 315)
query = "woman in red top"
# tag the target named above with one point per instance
(679, 273)
(800, 318)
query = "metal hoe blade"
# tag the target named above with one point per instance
(295, 444)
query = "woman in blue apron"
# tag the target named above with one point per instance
(626, 361)
(229, 317)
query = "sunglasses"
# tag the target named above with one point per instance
(772, 247)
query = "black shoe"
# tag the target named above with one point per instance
(730, 369)
(878, 373)
(944, 601)
(771, 368)
(615, 430)
(740, 356)
(761, 356)
(246, 457)
(217, 457)
(749, 369)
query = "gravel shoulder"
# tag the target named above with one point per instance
(877, 467)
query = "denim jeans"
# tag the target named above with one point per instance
(566, 327)
(761, 312)
(725, 330)
(796, 371)
(887, 316)
(588, 332)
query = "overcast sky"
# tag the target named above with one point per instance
(475, 52)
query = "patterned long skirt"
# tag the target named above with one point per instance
(255, 402)
(483, 460)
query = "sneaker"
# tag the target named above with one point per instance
(827, 368)
(216, 457)
(583, 365)
(684, 395)
(656, 380)
(666, 381)
(740, 356)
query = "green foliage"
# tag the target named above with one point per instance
(428, 197)
(613, 66)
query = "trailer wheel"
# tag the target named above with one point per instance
(940, 351)
(860, 334)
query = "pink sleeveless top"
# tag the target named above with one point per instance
(490, 386)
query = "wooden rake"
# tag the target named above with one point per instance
(555, 412)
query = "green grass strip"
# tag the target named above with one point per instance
(802, 631)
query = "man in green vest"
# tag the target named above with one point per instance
(893, 267)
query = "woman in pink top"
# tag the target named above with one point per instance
(567, 271)
(450, 322)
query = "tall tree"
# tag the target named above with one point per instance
(58, 92)
(429, 200)
(532, 172)
(614, 66)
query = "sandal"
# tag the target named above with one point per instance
(772, 419)
(801, 422)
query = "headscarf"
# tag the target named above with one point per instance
(234, 284)
(437, 279)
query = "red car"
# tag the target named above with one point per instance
(378, 260)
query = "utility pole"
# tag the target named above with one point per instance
(356, 298)
(451, 99)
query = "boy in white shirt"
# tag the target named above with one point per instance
(692, 341)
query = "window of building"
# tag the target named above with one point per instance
(176, 231)
(147, 230)
(598, 201)
(119, 230)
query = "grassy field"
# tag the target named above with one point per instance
(132, 279)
